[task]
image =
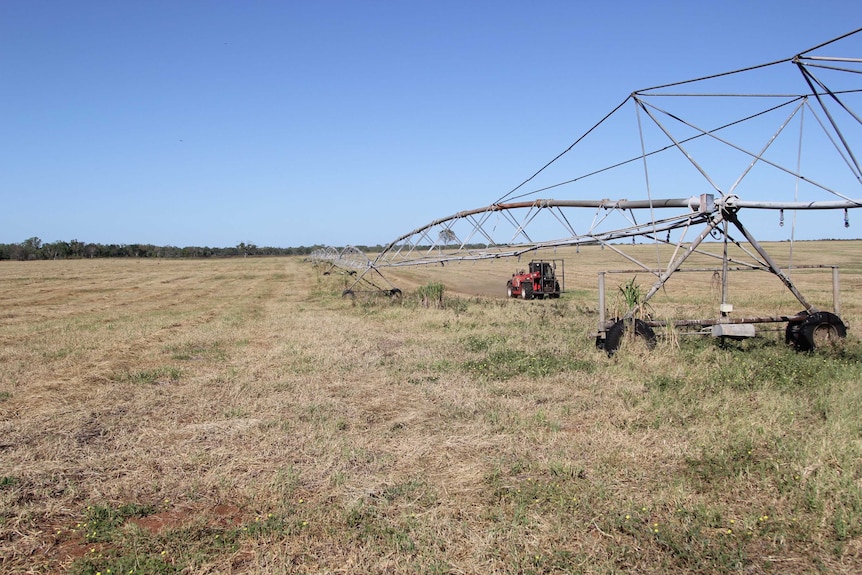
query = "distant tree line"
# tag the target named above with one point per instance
(35, 249)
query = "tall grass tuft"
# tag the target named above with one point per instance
(631, 296)
(431, 295)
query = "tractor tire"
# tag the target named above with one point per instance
(395, 293)
(820, 330)
(614, 336)
(509, 289)
(556, 290)
(526, 291)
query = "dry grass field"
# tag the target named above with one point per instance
(240, 416)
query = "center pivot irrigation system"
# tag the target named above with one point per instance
(694, 159)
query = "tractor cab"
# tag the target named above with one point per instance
(545, 270)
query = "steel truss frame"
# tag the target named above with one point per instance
(354, 262)
(513, 225)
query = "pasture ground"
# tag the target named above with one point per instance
(240, 416)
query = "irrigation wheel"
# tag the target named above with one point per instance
(819, 330)
(615, 335)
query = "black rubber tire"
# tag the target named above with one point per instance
(600, 343)
(819, 330)
(614, 335)
(348, 293)
(791, 333)
(509, 289)
(395, 292)
(556, 290)
(526, 291)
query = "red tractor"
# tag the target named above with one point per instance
(540, 281)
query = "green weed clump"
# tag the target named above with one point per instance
(116, 546)
(101, 521)
(135, 564)
(476, 343)
(164, 374)
(502, 364)
(198, 350)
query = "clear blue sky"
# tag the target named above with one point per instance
(288, 123)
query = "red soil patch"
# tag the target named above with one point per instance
(223, 515)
